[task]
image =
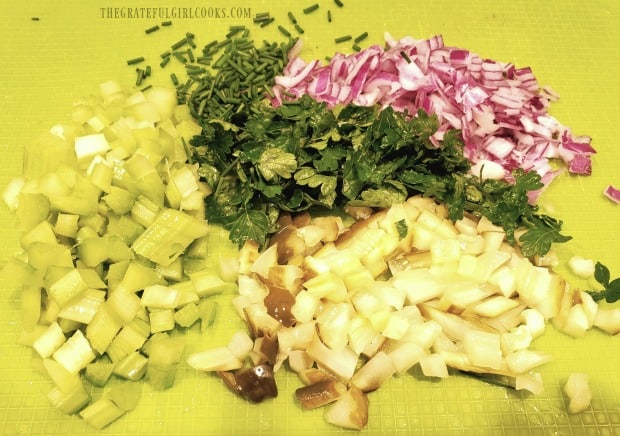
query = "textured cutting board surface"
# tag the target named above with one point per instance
(571, 45)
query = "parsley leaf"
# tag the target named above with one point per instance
(611, 289)
(250, 224)
(276, 162)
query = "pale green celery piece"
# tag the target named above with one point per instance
(125, 395)
(118, 250)
(187, 296)
(49, 341)
(173, 272)
(168, 236)
(144, 211)
(146, 177)
(100, 174)
(125, 227)
(207, 283)
(85, 233)
(41, 255)
(83, 309)
(83, 200)
(71, 401)
(67, 288)
(160, 297)
(138, 276)
(31, 210)
(101, 413)
(45, 154)
(125, 304)
(42, 232)
(99, 372)
(17, 273)
(164, 356)
(75, 353)
(66, 225)
(199, 248)
(162, 320)
(96, 221)
(187, 315)
(131, 367)
(155, 337)
(93, 251)
(68, 325)
(31, 306)
(129, 339)
(115, 273)
(119, 200)
(63, 379)
(92, 278)
(208, 310)
(195, 264)
(103, 327)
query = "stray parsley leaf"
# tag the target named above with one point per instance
(611, 289)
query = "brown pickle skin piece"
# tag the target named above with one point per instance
(254, 384)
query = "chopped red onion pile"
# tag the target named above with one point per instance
(612, 193)
(500, 109)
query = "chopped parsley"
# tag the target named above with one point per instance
(611, 288)
(303, 156)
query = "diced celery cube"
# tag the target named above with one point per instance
(131, 367)
(71, 401)
(161, 320)
(67, 288)
(63, 379)
(99, 372)
(187, 315)
(32, 208)
(101, 413)
(51, 339)
(125, 395)
(66, 225)
(206, 283)
(160, 297)
(103, 327)
(119, 200)
(83, 309)
(42, 232)
(138, 276)
(75, 353)
(168, 236)
(125, 227)
(125, 304)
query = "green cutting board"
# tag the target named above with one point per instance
(54, 53)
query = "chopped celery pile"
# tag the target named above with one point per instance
(114, 250)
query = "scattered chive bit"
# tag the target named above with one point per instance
(299, 28)
(190, 35)
(360, 37)
(140, 77)
(165, 54)
(174, 79)
(180, 43)
(164, 62)
(343, 38)
(166, 23)
(339, 3)
(292, 17)
(356, 47)
(283, 31)
(147, 87)
(135, 60)
(329, 16)
(190, 55)
(405, 57)
(152, 29)
(266, 22)
(311, 8)
(147, 71)
(35, 18)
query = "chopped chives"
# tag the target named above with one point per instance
(342, 39)
(292, 18)
(356, 47)
(135, 60)
(147, 71)
(174, 79)
(180, 57)
(146, 88)
(166, 23)
(284, 31)
(151, 29)
(311, 8)
(179, 44)
(262, 14)
(329, 16)
(165, 54)
(190, 55)
(361, 37)
(35, 18)
(239, 27)
(164, 62)
(405, 56)
(299, 28)
(190, 35)
(339, 3)
(140, 77)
